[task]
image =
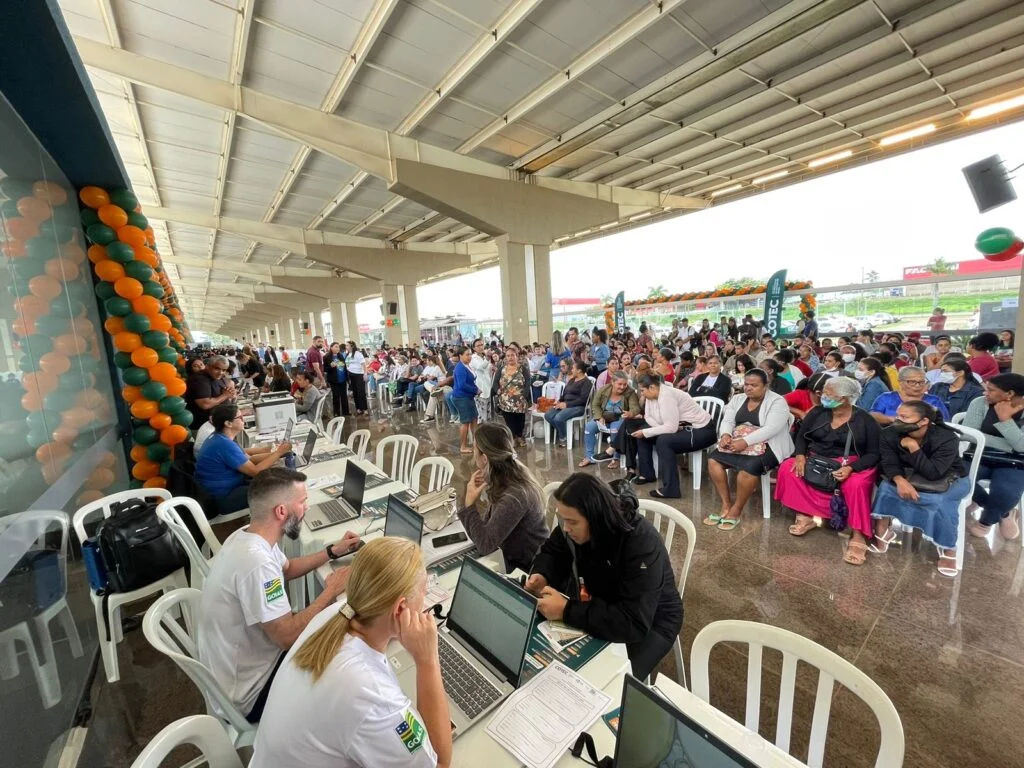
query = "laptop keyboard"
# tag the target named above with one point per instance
(452, 561)
(335, 512)
(464, 684)
(376, 481)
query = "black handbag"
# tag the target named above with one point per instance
(818, 469)
(924, 485)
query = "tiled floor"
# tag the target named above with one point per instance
(949, 653)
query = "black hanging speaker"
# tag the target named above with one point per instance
(271, 331)
(305, 326)
(989, 183)
(392, 307)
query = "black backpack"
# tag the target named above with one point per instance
(137, 547)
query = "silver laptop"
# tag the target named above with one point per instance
(482, 646)
(403, 521)
(348, 507)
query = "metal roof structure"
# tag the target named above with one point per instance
(255, 131)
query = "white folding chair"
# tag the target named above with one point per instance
(357, 441)
(403, 455)
(553, 390)
(200, 561)
(115, 600)
(580, 421)
(334, 429)
(200, 731)
(550, 518)
(656, 512)
(713, 406)
(831, 669)
(318, 411)
(441, 471)
(167, 635)
(19, 532)
(968, 436)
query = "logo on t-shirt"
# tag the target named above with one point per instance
(410, 732)
(273, 589)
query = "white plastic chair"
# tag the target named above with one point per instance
(167, 635)
(334, 429)
(318, 411)
(656, 512)
(968, 436)
(580, 421)
(441, 471)
(550, 518)
(403, 456)
(202, 732)
(358, 441)
(167, 511)
(713, 406)
(115, 600)
(831, 669)
(29, 528)
(552, 389)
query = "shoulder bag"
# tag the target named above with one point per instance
(818, 469)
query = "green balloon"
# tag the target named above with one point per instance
(182, 418)
(57, 229)
(105, 290)
(101, 234)
(28, 363)
(154, 390)
(17, 287)
(165, 468)
(89, 217)
(153, 288)
(140, 270)
(155, 339)
(145, 435)
(62, 307)
(124, 198)
(52, 325)
(123, 360)
(36, 344)
(79, 291)
(41, 248)
(25, 269)
(136, 323)
(42, 420)
(134, 484)
(135, 376)
(72, 382)
(158, 452)
(167, 355)
(9, 209)
(15, 188)
(136, 219)
(37, 438)
(85, 363)
(994, 241)
(118, 306)
(59, 400)
(172, 405)
(121, 252)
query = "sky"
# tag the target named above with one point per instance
(906, 210)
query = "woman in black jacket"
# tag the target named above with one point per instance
(337, 378)
(714, 383)
(605, 570)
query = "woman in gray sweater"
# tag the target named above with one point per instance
(513, 518)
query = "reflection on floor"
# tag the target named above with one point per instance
(948, 652)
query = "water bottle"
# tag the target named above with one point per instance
(289, 460)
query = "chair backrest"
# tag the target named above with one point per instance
(403, 455)
(201, 731)
(334, 429)
(550, 518)
(103, 506)
(659, 513)
(831, 669)
(441, 471)
(712, 405)
(969, 436)
(21, 530)
(318, 409)
(164, 632)
(167, 512)
(958, 418)
(357, 441)
(552, 389)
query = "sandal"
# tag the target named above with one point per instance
(712, 520)
(1008, 527)
(804, 524)
(944, 554)
(728, 523)
(883, 542)
(613, 464)
(978, 529)
(638, 480)
(856, 553)
(586, 463)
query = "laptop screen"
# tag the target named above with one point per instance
(355, 484)
(403, 521)
(494, 616)
(652, 732)
(288, 430)
(307, 449)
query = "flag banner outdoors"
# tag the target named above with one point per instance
(773, 303)
(620, 312)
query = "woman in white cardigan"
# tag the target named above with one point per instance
(754, 439)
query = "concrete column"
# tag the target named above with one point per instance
(392, 320)
(350, 320)
(315, 329)
(525, 290)
(409, 311)
(1017, 366)
(337, 326)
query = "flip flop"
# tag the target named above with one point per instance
(712, 520)
(728, 523)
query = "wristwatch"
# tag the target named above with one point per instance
(330, 553)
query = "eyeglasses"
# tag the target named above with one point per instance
(915, 382)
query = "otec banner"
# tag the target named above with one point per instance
(620, 312)
(773, 303)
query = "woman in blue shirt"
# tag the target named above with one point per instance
(223, 467)
(913, 386)
(463, 398)
(957, 386)
(599, 352)
(555, 356)
(873, 379)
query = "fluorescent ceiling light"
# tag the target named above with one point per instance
(994, 109)
(639, 216)
(831, 158)
(769, 177)
(913, 133)
(727, 190)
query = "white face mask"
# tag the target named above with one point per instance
(860, 375)
(848, 358)
(947, 378)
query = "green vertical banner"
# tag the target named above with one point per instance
(773, 303)
(620, 312)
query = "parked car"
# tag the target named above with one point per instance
(884, 318)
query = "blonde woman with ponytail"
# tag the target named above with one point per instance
(513, 518)
(336, 702)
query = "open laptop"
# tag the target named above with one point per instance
(652, 732)
(403, 521)
(482, 646)
(348, 507)
(307, 450)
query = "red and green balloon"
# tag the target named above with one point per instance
(999, 244)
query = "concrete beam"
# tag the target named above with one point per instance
(348, 289)
(406, 265)
(254, 271)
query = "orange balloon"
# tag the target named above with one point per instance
(147, 305)
(70, 344)
(138, 453)
(24, 326)
(30, 306)
(45, 287)
(14, 249)
(145, 469)
(126, 341)
(163, 372)
(155, 482)
(52, 452)
(144, 357)
(109, 270)
(114, 325)
(34, 209)
(173, 435)
(76, 417)
(134, 236)
(88, 497)
(94, 197)
(52, 471)
(175, 388)
(160, 322)
(145, 409)
(101, 479)
(55, 363)
(92, 399)
(51, 192)
(32, 401)
(97, 253)
(112, 215)
(146, 255)
(39, 381)
(128, 288)
(108, 460)
(62, 269)
(160, 421)
(73, 252)
(131, 394)
(21, 228)
(65, 433)
(83, 326)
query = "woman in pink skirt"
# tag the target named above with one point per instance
(824, 433)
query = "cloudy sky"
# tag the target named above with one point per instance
(883, 216)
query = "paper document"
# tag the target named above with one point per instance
(436, 594)
(538, 722)
(559, 635)
(320, 482)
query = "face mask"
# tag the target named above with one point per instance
(903, 427)
(849, 358)
(947, 378)
(859, 375)
(830, 402)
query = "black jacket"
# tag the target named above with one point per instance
(722, 388)
(816, 436)
(938, 458)
(576, 393)
(630, 594)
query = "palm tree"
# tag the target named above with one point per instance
(607, 298)
(656, 292)
(939, 267)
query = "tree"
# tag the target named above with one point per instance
(656, 292)
(739, 282)
(939, 267)
(871, 277)
(607, 298)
